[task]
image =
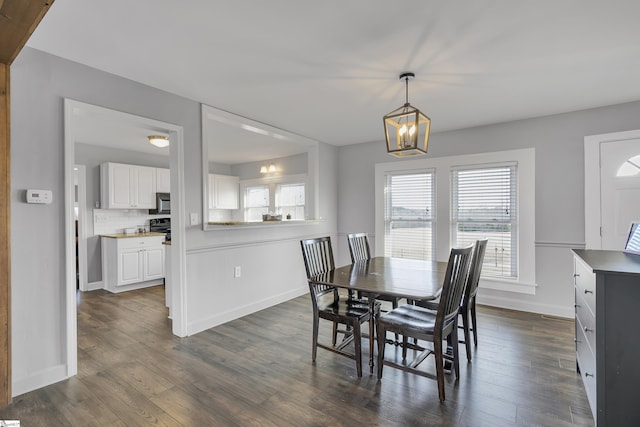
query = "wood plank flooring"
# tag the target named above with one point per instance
(257, 371)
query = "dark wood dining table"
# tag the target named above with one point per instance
(398, 277)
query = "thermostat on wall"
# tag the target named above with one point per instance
(39, 196)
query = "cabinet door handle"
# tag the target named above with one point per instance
(587, 329)
(576, 275)
(587, 291)
(587, 374)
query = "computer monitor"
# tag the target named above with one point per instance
(633, 239)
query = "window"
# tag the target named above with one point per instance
(471, 196)
(290, 200)
(256, 202)
(483, 204)
(408, 217)
(283, 195)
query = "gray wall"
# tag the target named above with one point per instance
(39, 83)
(559, 217)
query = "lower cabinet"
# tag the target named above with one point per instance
(607, 294)
(132, 262)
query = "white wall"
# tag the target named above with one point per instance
(39, 84)
(559, 144)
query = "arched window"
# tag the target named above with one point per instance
(630, 167)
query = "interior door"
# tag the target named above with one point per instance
(619, 190)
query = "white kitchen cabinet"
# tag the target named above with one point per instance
(223, 191)
(132, 262)
(125, 186)
(163, 180)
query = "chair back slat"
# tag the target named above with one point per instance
(475, 269)
(453, 286)
(318, 258)
(358, 246)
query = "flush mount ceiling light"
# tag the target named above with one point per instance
(407, 128)
(159, 140)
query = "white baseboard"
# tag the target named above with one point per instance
(514, 304)
(237, 312)
(94, 286)
(39, 380)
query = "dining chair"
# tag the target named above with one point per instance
(327, 304)
(359, 251)
(424, 324)
(468, 305)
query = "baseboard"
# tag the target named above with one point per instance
(237, 312)
(39, 379)
(94, 286)
(514, 304)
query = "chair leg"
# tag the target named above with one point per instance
(357, 343)
(437, 352)
(394, 304)
(371, 339)
(381, 338)
(334, 336)
(473, 321)
(465, 327)
(456, 351)
(405, 341)
(314, 344)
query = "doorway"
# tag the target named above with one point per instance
(612, 194)
(76, 115)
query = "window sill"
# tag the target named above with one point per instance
(508, 286)
(228, 225)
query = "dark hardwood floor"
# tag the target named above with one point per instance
(257, 371)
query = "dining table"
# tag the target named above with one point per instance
(398, 277)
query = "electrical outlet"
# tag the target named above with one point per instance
(194, 218)
(237, 272)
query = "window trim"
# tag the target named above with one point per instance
(525, 282)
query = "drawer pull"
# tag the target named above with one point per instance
(587, 329)
(587, 291)
(576, 275)
(587, 374)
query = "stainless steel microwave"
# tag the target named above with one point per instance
(163, 204)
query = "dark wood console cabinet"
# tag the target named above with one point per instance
(607, 316)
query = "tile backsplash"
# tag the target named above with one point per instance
(112, 221)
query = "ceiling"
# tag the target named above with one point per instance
(329, 69)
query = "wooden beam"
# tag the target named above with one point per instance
(18, 20)
(5, 242)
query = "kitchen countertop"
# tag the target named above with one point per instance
(127, 236)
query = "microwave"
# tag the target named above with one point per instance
(163, 204)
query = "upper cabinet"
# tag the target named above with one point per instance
(223, 191)
(163, 180)
(127, 186)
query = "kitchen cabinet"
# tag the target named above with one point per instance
(125, 186)
(132, 262)
(223, 191)
(607, 292)
(163, 180)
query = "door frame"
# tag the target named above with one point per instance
(178, 252)
(80, 172)
(592, 190)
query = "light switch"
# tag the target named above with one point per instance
(194, 218)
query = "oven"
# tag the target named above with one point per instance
(161, 225)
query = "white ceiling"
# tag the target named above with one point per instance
(329, 69)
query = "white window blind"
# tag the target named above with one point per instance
(409, 215)
(290, 200)
(256, 202)
(484, 203)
